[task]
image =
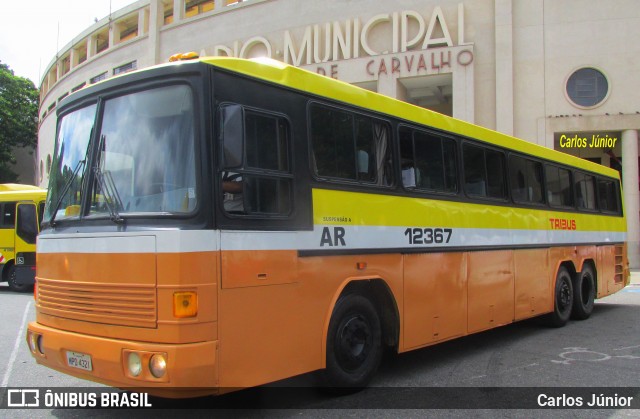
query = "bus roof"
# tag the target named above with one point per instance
(299, 79)
(24, 195)
(17, 187)
(277, 72)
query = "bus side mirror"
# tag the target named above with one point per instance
(232, 136)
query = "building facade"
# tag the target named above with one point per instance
(562, 74)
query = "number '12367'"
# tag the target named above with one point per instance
(428, 235)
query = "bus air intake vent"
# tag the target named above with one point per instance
(619, 264)
(116, 304)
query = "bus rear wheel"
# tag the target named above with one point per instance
(11, 280)
(584, 293)
(563, 299)
(354, 344)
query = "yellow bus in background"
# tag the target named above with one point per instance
(21, 209)
(224, 223)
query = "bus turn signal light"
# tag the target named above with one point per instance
(185, 304)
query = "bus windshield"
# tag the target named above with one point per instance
(143, 158)
(68, 166)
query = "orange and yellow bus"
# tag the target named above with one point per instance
(21, 209)
(222, 223)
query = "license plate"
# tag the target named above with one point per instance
(79, 360)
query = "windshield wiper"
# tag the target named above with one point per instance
(64, 191)
(111, 196)
(67, 185)
(108, 186)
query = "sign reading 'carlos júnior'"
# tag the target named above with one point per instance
(600, 140)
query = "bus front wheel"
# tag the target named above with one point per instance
(584, 292)
(563, 299)
(11, 280)
(354, 344)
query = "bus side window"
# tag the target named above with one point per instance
(40, 214)
(407, 162)
(559, 190)
(428, 161)
(267, 149)
(256, 177)
(484, 172)
(27, 223)
(333, 143)
(585, 191)
(608, 196)
(526, 180)
(349, 146)
(8, 215)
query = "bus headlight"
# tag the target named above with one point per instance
(39, 344)
(32, 342)
(134, 364)
(158, 365)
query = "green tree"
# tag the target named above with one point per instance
(18, 119)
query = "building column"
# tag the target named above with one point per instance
(73, 58)
(156, 20)
(59, 68)
(91, 46)
(630, 185)
(142, 22)
(178, 10)
(463, 80)
(504, 66)
(113, 36)
(390, 86)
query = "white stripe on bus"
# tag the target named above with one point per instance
(323, 237)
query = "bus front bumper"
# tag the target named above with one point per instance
(190, 371)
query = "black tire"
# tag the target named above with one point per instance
(354, 345)
(11, 280)
(584, 293)
(563, 299)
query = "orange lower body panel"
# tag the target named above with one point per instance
(265, 318)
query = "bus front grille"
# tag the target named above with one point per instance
(116, 304)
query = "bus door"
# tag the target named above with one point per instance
(7, 233)
(261, 318)
(25, 245)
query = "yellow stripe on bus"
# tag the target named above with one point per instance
(331, 207)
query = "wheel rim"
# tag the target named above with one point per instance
(564, 295)
(354, 342)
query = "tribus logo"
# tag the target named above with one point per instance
(562, 224)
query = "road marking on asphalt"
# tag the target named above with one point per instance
(16, 347)
(587, 355)
(475, 377)
(627, 347)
